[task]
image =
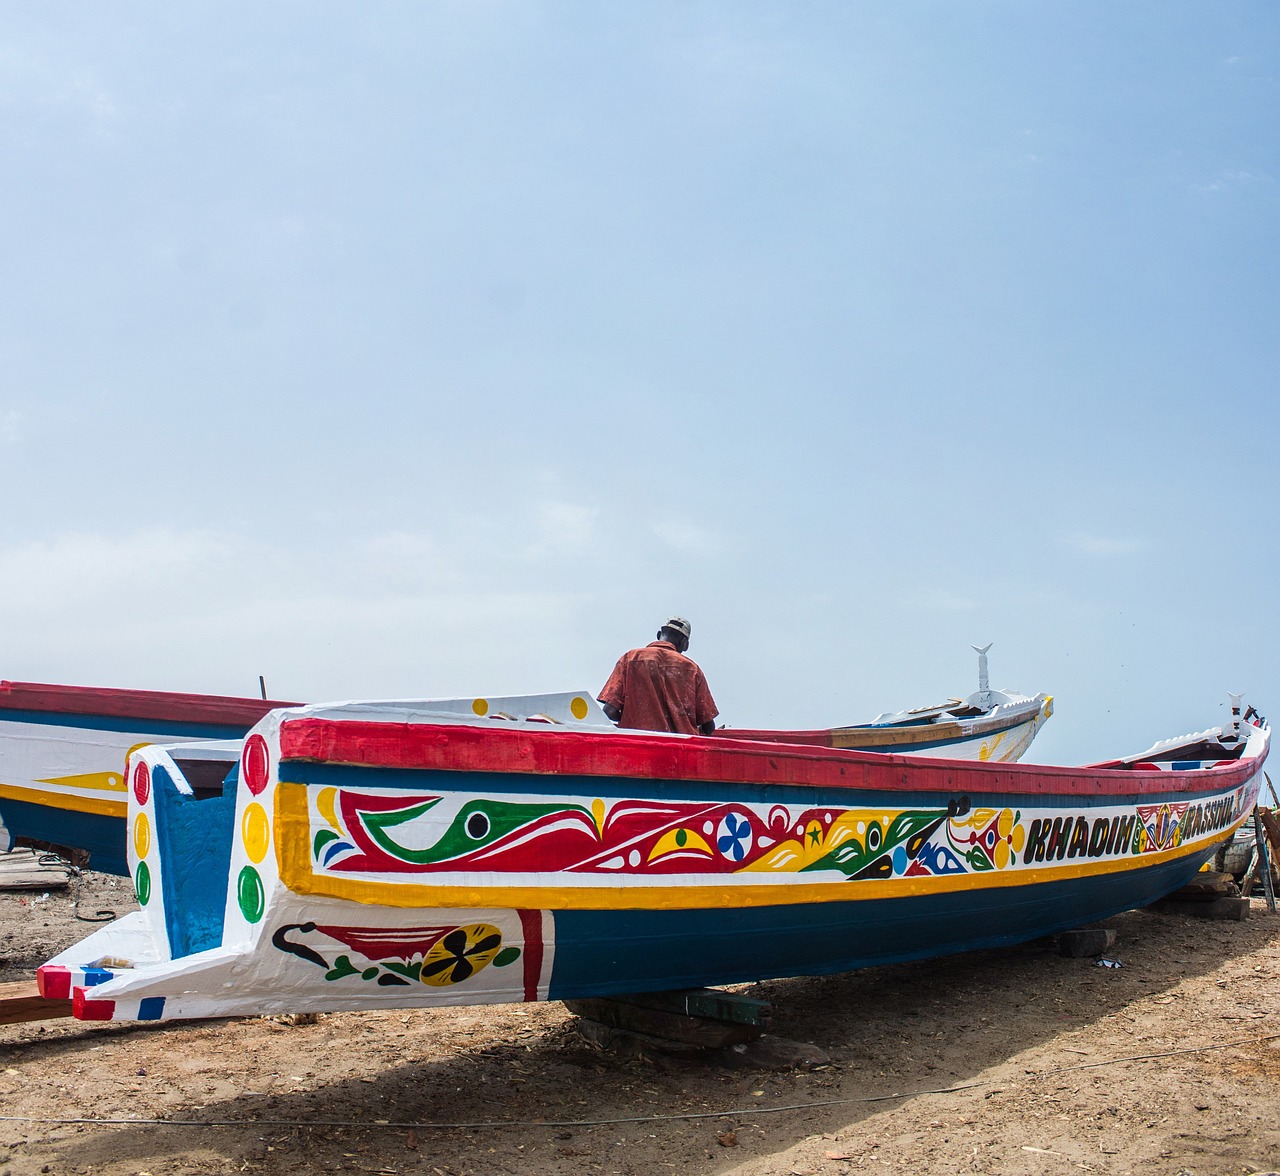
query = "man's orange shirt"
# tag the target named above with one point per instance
(657, 688)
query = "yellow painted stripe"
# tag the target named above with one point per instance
(293, 834)
(64, 800)
(100, 781)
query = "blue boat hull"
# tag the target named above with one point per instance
(603, 953)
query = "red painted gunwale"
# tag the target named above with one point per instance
(707, 760)
(156, 705)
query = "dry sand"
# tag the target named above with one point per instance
(1013, 1061)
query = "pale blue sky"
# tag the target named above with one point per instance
(444, 348)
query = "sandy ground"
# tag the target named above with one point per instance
(1014, 1061)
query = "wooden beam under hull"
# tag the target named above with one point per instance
(21, 1001)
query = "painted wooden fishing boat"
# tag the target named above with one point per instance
(995, 725)
(62, 753)
(494, 850)
(62, 750)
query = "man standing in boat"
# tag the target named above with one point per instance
(657, 688)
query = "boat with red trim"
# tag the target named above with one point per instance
(994, 725)
(373, 855)
(62, 753)
(62, 750)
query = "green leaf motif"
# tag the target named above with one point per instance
(910, 829)
(478, 824)
(341, 967)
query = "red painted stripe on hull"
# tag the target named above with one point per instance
(531, 925)
(134, 704)
(571, 753)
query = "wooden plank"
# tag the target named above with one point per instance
(1250, 873)
(22, 870)
(1271, 823)
(21, 1001)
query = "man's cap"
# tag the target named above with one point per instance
(678, 625)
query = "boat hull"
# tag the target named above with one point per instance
(1000, 736)
(592, 951)
(62, 756)
(563, 955)
(62, 753)
(387, 863)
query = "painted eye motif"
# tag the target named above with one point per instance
(477, 826)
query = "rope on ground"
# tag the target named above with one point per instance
(77, 884)
(732, 1113)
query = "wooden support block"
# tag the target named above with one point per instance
(21, 1001)
(1208, 885)
(704, 1002)
(626, 1044)
(1232, 909)
(763, 1053)
(706, 1032)
(1092, 941)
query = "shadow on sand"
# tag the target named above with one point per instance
(898, 1029)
